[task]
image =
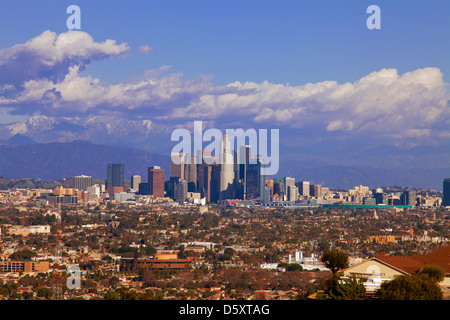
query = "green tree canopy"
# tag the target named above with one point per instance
(335, 259)
(435, 273)
(348, 289)
(22, 255)
(410, 287)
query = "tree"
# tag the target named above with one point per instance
(349, 289)
(114, 282)
(435, 273)
(44, 292)
(112, 295)
(23, 255)
(410, 287)
(335, 259)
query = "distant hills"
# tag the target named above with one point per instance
(54, 161)
(52, 148)
(58, 160)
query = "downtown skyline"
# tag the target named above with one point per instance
(339, 93)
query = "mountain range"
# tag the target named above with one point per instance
(51, 148)
(58, 160)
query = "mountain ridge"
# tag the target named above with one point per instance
(59, 160)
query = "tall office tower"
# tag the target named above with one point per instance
(292, 193)
(255, 179)
(380, 196)
(226, 167)
(156, 181)
(278, 187)
(177, 170)
(204, 171)
(267, 195)
(180, 190)
(190, 172)
(262, 178)
(288, 182)
(82, 182)
(315, 190)
(408, 198)
(214, 187)
(446, 192)
(172, 182)
(135, 180)
(303, 188)
(269, 184)
(242, 158)
(115, 178)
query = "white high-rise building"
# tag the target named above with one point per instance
(304, 188)
(288, 182)
(226, 164)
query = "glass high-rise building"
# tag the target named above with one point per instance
(115, 175)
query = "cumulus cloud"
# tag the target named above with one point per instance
(45, 73)
(50, 56)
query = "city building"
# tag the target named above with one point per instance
(156, 181)
(135, 180)
(26, 230)
(177, 169)
(156, 262)
(408, 198)
(315, 190)
(180, 190)
(82, 182)
(115, 178)
(303, 188)
(288, 182)
(292, 193)
(226, 168)
(24, 266)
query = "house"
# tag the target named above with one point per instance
(376, 270)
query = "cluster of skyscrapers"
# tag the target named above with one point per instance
(232, 174)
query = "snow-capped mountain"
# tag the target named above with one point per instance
(140, 134)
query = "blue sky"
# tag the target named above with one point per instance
(312, 68)
(292, 42)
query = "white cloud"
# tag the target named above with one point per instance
(145, 49)
(383, 102)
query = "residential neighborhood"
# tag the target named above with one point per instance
(147, 249)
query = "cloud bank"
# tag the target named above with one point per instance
(43, 75)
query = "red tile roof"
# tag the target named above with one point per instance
(413, 264)
(440, 257)
(405, 264)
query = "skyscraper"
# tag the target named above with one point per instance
(156, 181)
(115, 177)
(446, 192)
(292, 193)
(190, 173)
(255, 178)
(226, 167)
(408, 198)
(288, 182)
(177, 170)
(180, 190)
(135, 180)
(243, 156)
(303, 188)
